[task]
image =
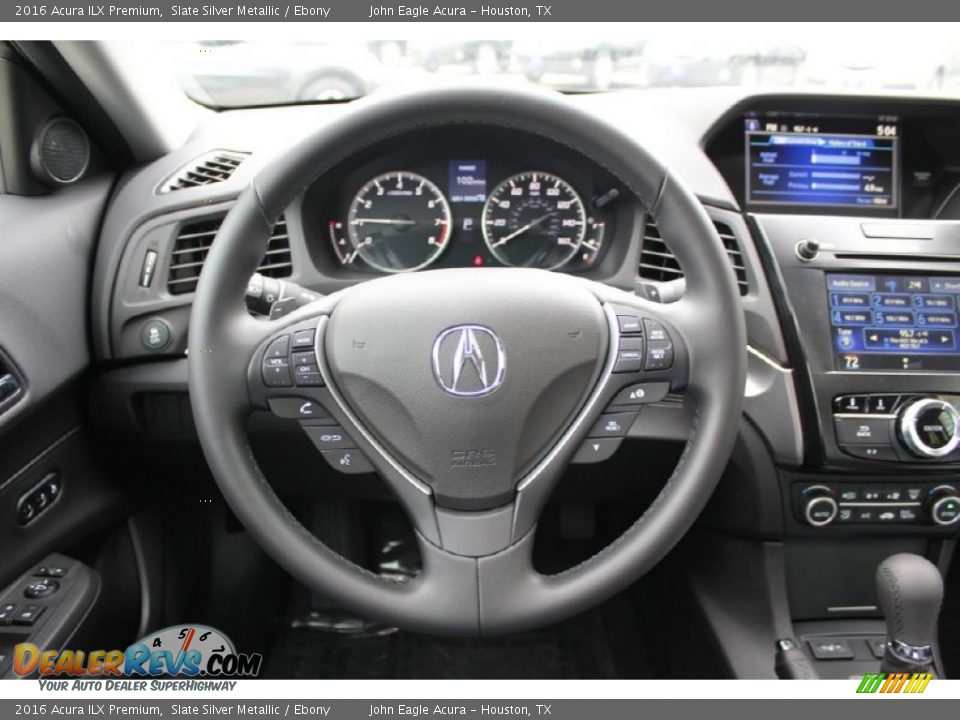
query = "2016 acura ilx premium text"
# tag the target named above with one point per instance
(473, 378)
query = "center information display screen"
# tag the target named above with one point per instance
(894, 322)
(839, 163)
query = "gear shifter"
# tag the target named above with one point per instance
(910, 590)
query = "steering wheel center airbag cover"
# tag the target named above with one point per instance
(467, 377)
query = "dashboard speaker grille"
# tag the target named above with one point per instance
(193, 242)
(61, 152)
(658, 263)
(209, 169)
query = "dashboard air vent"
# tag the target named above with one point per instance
(193, 243)
(658, 263)
(214, 167)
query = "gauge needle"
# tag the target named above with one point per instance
(383, 221)
(511, 236)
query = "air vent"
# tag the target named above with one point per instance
(658, 263)
(214, 167)
(193, 243)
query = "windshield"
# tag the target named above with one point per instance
(836, 56)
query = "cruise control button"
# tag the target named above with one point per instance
(329, 437)
(863, 431)
(630, 324)
(659, 355)
(298, 408)
(350, 461)
(596, 450)
(613, 425)
(655, 331)
(641, 393)
(871, 452)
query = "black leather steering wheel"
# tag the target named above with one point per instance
(473, 464)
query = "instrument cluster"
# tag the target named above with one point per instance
(467, 204)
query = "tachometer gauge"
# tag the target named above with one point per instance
(399, 221)
(534, 219)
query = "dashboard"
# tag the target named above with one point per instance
(466, 197)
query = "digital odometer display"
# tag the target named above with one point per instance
(894, 322)
(840, 163)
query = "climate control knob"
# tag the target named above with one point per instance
(929, 428)
(819, 507)
(943, 505)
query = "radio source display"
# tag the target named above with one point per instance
(894, 322)
(843, 163)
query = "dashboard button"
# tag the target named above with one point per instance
(884, 453)
(596, 450)
(155, 335)
(849, 493)
(882, 404)
(863, 431)
(349, 461)
(851, 404)
(831, 649)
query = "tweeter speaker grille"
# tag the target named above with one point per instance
(61, 152)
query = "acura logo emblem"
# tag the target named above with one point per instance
(468, 360)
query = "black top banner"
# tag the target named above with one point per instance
(470, 11)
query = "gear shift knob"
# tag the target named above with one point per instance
(910, 590)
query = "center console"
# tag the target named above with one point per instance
(873, 307)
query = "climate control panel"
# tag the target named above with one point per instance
(889, 427)
(887, 503)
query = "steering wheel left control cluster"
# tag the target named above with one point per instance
(293, 388)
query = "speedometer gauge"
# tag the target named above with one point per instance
(399, 221)
(534, 219)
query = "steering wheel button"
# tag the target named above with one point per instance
(630, 324)
(278, 348)
(659, 355)
(596, 450)
(329, 437)
(303, 339)
(307, 375)
(299, 408)
(350, 461)
(655, 331)
(613, 425)
(304, 358)
(641, 393)
(277, 375)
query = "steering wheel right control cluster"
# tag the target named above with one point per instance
(898, 428)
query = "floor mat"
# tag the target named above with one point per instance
(589, 646)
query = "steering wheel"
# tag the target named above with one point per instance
(469, 390)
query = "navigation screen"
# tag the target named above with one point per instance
(840, 163)
(894, 322)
